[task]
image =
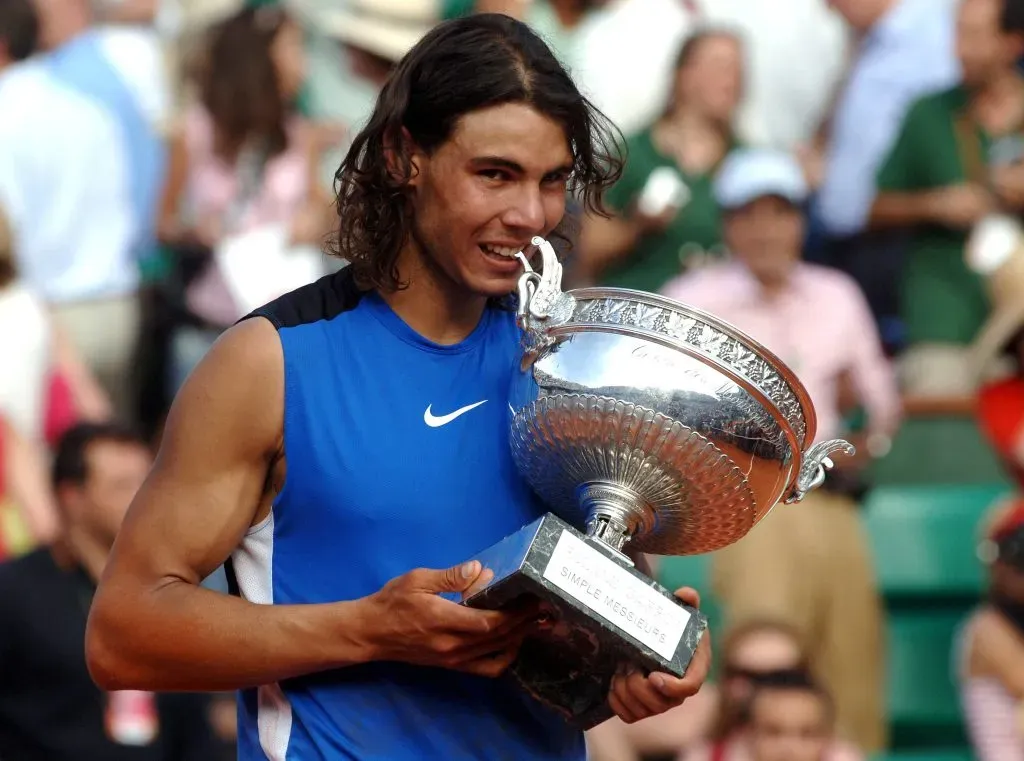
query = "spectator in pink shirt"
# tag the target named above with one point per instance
(799, 559)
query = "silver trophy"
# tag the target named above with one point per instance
(643, 425)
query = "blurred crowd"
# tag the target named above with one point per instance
(841, 179)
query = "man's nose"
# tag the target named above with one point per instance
(526, 212)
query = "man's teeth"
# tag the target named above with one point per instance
(500, 250)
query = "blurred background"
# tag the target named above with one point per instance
(842, 179)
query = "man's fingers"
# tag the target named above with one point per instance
(620, 708)
(481, 582)
(688, 596)
(471, 650)
(459, 619)
(644, 694)
(627, 698)
(492, 664)
(677, 690)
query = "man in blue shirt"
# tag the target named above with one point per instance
(353, 435)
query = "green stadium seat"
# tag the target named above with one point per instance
(945, 449)
(943, 754)
(924, 538)
(685, 571)
(691, 571)
(922, 700)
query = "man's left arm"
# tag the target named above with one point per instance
(635, 695)
(873, 376)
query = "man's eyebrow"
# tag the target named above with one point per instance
(564, 169)
(513, 166)
(498, 161)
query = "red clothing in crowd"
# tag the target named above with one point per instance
(1001, 413)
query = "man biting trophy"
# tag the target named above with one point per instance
(343, 442)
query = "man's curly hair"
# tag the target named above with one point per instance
(461, 66)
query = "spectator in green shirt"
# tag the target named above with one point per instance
(957, 159)
(646, 243)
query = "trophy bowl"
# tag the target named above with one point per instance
(645, 426)
(670, 428)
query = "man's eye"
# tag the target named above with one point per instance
(495, 174)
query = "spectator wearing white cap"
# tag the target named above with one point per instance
(801, 557)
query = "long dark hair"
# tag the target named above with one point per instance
(460, 66)
(239, 84)
(688, 51)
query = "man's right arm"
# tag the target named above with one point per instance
(153, 627)
(151, 623)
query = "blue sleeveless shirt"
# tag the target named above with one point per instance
(397, 457)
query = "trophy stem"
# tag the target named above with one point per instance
(614, 513)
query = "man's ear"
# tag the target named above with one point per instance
(404, 158)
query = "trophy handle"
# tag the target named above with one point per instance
(542, 303)
(816, 461)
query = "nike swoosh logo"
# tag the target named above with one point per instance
(437, 422)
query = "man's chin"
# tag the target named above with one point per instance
(494, 286)
(496, 292)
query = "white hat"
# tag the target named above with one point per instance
(751, 173)
(373, 29)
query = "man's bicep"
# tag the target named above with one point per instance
(208, 484)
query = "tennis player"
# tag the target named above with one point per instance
(344, 449)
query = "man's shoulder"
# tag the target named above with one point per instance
(33, 100)
(25, 89)
(19, 78)
(323, 299)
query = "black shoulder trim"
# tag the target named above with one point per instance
(322, 299)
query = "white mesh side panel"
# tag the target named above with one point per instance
(253, 566)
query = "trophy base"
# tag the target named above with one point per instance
(605, 613)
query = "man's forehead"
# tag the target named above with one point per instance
(515, 133)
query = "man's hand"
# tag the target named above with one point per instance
(409, 621)
(1008, 182)
(634, 696)
(959, 207)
